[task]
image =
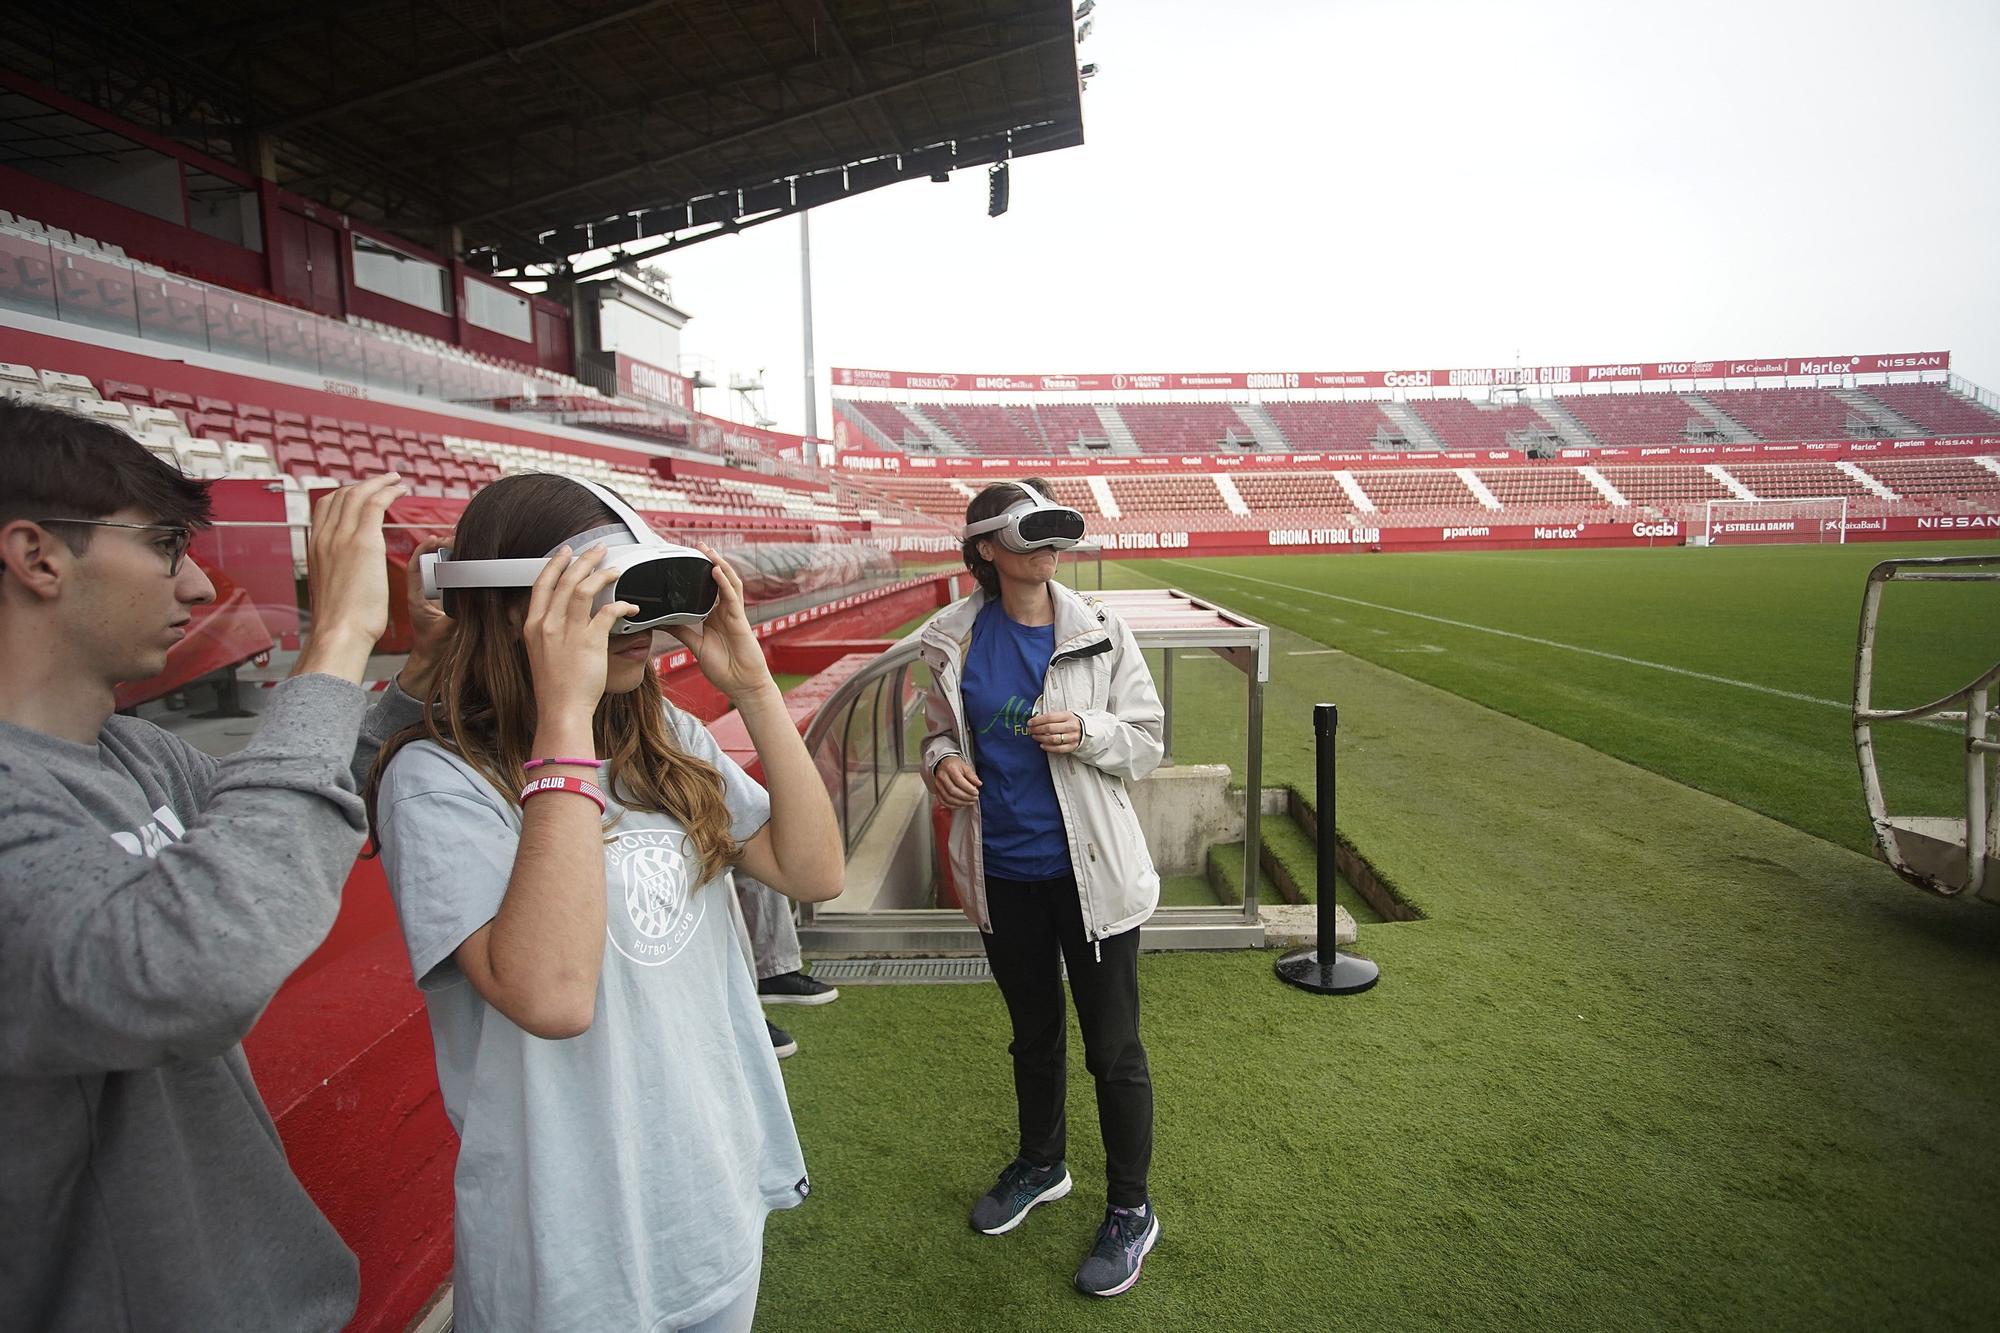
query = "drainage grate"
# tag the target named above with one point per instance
(901, 971)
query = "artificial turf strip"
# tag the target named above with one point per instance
(1294, 852)
(1778, 616)
(1654, 1061)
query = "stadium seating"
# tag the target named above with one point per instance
(1935, 409)
(1331, 426)
(1790, 414)
(1944, 485)
(1065, 426)
(1460, 423)
(1779, 481)
(1426, 491)
(1622, 419)
(1542, 487)
(1165, 495)
(1292, 492)
(1184, 428)
(1675, 491)
(889, 419)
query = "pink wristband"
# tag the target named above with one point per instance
(575, 786)
(534, 764)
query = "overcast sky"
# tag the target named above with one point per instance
(1367, 184)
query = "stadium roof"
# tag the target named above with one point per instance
(519, 133)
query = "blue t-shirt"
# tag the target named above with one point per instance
(1000, 689)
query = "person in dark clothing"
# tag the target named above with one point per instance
(154, 898)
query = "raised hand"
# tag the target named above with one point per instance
(1056, 733)
(430, 627)
(567, 643)
(723, 646)
(347, 576)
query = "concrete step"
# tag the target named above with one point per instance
(1882, 419)
(1734, 431)
(1269, 438)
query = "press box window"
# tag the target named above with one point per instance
(503, 312)
(387, 271)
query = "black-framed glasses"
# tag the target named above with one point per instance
(175, 550)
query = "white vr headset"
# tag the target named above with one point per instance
(1031, 524)
(671, 585)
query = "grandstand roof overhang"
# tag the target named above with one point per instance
(520, 134)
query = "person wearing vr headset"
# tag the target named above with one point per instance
(153, 897)
(1041, 710)
(558, 839)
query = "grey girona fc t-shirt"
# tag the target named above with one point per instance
(619, 1179)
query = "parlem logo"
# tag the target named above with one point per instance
(653, 912)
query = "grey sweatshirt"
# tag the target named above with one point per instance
(152, 900)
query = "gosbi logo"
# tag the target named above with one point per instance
(1407, 379)
(1656, 529)
(653, 911)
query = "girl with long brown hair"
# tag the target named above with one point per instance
(623, 1125)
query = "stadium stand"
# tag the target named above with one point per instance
(1636, 418)
(1772, 481)
(1460, 423)
(1178, 428)
(1790, 414)
(1936, 409)
(1332, 426)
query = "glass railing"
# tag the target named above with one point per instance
(97, 290)
(866, 734)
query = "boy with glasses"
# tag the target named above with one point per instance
(153, 898)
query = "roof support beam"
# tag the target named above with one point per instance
(869, 95)
(511, 54)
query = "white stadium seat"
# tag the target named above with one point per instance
(56, 381)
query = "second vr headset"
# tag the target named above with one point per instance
(671, 585)
(1032, 523)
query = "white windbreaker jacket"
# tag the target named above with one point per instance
(1098, 673)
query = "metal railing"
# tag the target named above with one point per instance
(864, 738)
(1948, 856)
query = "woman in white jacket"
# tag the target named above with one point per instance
(1041, 709)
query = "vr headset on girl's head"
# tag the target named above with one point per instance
(671, 585)
(1032, 523)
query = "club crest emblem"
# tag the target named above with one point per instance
(653, 912)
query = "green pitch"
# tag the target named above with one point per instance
(1667, 1051)
(1730, 670)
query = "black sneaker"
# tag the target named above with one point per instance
(1020, 1187)
(795, 988)
(1123, 1243)
(783, 1042)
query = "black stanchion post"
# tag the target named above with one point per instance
(1323, 969)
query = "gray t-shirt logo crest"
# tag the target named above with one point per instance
(649, 876)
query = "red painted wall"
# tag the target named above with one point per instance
(141, 234)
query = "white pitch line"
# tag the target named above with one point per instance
(1530, 638)
(1316, 652)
